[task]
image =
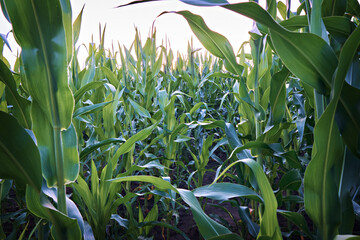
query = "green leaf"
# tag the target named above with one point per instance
(297, 219)
(156, 181)
(21, 105)
(322, 174)
(353, 7)
(139, 109)
(225, 191)
(89, 149)
(126, 147)
(245, 216)
(77, 26)
(306, 55)
(333, 7)
(349, 172)
(82, 188)
(207, 227)
(45, 139)
(320, 192)
(214, 42)
(19, 156)
(110, 76)
(291, 180)
(92, 85)
(269, 226)
(90, 109)
(39, 30)
(278, 95)
(64, 227)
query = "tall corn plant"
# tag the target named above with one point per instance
(44, 32)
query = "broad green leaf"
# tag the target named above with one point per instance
(39, 30)
(139, 109)
(151, 216)
(322, 174)
(225, 191)
(89, 73)
(291, 180)
(306, 55)
(353, 7)
(110, 76)
(82, 188)
(72, 210)
(347, 112)
(64, 227)
(90, 109)
(67, 23)
(126, 147)
(245, 216)
(21, 105)
(207, 227)
(297, 219)
(278, 95)
(92, 85)
(320, 192)
(45, 139)
(269, 226)
(156, 181)
(350, 170)
(333, 7)
(311, 59)
(338, 26)
(19, 156)
(348, 115)
(234, 141)
(89, 149)
(212, 41)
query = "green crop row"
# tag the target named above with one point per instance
(121, 148)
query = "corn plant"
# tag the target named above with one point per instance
(137, 131)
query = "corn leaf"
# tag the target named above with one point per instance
(39, 29)
(21, 105)
(214, 42)
(23, 166)
(225, 191)
(45, 139)
(278, 95)
(207, 227)
(269, 226)
(321, 179)
(64, 227)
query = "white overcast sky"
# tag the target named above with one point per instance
(121, 23)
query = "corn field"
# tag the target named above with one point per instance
(146, 143)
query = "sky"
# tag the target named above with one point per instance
(121, 23)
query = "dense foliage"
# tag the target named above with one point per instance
(126, 146)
